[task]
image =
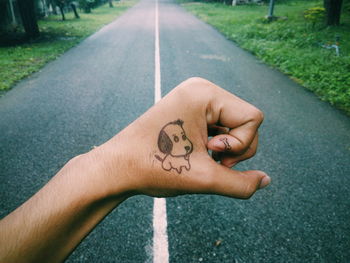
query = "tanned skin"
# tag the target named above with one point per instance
(48, 226)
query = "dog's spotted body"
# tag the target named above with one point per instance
(173, 142)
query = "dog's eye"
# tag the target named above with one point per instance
(176, 139)
(184, 137)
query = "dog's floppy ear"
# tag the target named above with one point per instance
(165, 145)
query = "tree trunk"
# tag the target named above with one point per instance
(52, 4)
(333, 11)
(72, 5)
(60, 6)
(110, 3)
(13, 17)
(27, 12)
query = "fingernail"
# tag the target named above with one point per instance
(265, 182)
(218, 145)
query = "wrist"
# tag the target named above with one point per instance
(111, 170)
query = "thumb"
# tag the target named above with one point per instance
(238, 184)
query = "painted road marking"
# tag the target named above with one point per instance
(160, 237)
(157, 89)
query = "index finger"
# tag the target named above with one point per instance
(242, 118)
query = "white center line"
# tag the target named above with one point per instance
(157, 90)
(160, 237)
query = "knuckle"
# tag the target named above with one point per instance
(196, 80)
(251, 152)
(202, 88)
(199, 83)
(258, 115)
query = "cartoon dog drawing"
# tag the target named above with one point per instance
(173, 142)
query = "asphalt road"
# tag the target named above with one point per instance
(94, 90)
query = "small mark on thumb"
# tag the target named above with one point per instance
(220, 144)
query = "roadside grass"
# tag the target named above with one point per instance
(57, 36)
(290, 44)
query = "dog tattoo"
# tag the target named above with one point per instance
(173, 142)
(227, 145)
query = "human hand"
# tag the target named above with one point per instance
(162, 153)
(165, 151)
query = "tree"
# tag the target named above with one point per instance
(28, 16)
(60, 4)
(333, 11)
(85, 5)
(74, 8)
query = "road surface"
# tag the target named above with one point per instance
(97, 88)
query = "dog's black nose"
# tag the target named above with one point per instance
(187, 148)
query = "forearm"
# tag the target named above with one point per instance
(162, 153)
(53, 222)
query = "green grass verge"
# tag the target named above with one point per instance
(19, 61)
(290, 44)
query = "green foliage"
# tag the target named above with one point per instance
(347, 7)
(17, 62)
(86, 5)
(289, 44)
(315, 15)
